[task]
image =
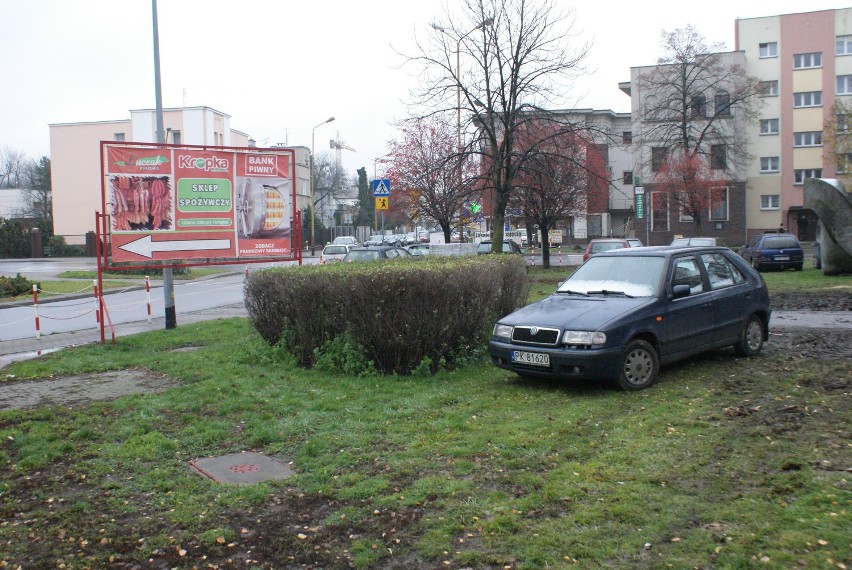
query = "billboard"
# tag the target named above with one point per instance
(171, 202)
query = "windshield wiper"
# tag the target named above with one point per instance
(570, 292)
(605, 292)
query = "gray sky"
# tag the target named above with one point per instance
(280, 67)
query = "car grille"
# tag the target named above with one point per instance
(541, 336)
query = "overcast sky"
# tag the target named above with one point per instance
(281, 67)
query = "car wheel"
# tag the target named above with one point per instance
(751, 338)
(798, 267)
(639, 366)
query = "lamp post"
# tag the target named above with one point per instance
(313, 182)
(485, 23)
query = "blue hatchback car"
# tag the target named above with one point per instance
(624, 313)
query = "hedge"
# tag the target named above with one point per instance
(400, 313)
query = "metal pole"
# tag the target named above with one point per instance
(168, 284)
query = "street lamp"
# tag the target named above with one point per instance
(485, 23)
(313, 182)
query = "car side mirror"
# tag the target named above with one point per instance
(679, 291)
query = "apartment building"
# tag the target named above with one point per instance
(804, 62)
(76, 162)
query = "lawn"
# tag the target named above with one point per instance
(725, 463)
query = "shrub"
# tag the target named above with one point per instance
(400, 314)
(14, 286)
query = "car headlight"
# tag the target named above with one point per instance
(503, 331)
(583, 337)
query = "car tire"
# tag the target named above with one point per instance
(798, 267)
(639, 366)
(751, 337)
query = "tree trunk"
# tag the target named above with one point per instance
(545, 245)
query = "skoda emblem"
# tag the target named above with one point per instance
(533, 331)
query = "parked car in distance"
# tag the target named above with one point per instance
(774, 251)
(332, 253)
(345, 240)
(395, 240)
(375, 253)
(624, 313)
(410, 238)
(423, 237)
(509, 246)
(374, 240)
(700, 241)
(634, 242)
(419, 249)
(604, 244)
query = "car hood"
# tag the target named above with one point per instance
(561, 310)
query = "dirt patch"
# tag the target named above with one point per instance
(806, 301)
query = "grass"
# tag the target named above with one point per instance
(725, 463)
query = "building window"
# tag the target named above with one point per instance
(809, 98)
(768, 49)
(769, 88)
(844, 163)
(800, 174)
(698, 106)
(719, 204)
(807, 138)
(118, 137)
(843, 46)
(658, 157)
(769, 126)
(842, 122)
(844, 84)
(627, 137)
(628, 177)
(770, 201)
(770, 164)
(659, 211)
(807, 60)
(722, 103)
(718, 157)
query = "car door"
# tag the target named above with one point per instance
(689, 322)
(732, 296)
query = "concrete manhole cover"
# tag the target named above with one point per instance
(245, 468)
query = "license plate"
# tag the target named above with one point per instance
(532, 358)
(782, 258)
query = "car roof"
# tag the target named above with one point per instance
(659, 251)
(608, 240)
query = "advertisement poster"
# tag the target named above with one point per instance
(182, 203)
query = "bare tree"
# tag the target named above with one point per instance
(837, 137)
(38, 199)
(497, 64)
(696, 98)
(432, 178)
(331, 182)
(12, 167)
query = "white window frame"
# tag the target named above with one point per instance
(844, 85)
(727, 203)
(770, 201)
(807, 138)
(802, 174)
(767, 50)
(804, 99)
(769, 88)
(843, 45)
(772, 164)
(807, 60)
(770, 127)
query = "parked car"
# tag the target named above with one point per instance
(410, 238)
(345, 240)
(634, 242)
(509, 246)
(374, 240)
(423, 237)
(332, 253)
(395, 240)
(774, 251)
(375, 253)
(693, 241)
(419, 249)
(624, 313)
(604, 244)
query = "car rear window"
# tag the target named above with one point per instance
(780, 242)
(606, 246)
(335, 250)
(362, 255)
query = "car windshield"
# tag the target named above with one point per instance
(634, 276)
(600, 246)
(362, 255)
(335, 250)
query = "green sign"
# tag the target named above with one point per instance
(639, 197)
(204, 195)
